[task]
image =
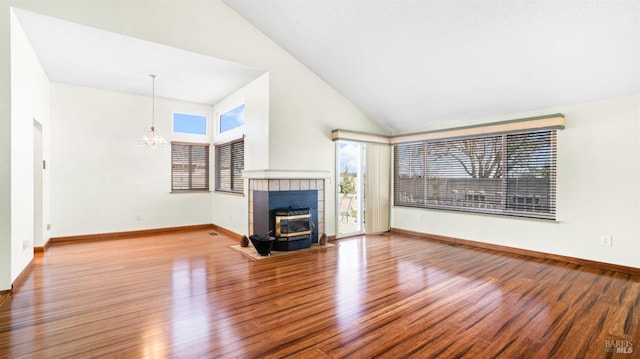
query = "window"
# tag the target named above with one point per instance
(512, 174)
(229, 166)
(190, 124)
(231, 119)
(189, 166)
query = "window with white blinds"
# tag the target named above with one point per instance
(511, 174)
(229, 166)
(189, 166)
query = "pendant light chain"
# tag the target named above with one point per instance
(153, 102)
(153, 139)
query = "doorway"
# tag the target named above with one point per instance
(38, 226)
(350, 192)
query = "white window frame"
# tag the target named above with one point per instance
(233, 133)
(191, 137)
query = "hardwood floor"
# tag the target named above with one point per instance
(188, 295)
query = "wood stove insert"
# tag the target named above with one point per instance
(293, 228)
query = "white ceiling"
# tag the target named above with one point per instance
(85, 56)
(408, 64)
(429, 63)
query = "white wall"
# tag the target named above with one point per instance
(304, 111)
(302, 108)
(255, 96)
(29, 100)
(5, 149)
(231, 211)
(598, 189)
(102, 181)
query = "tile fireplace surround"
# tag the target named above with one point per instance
(288, 184)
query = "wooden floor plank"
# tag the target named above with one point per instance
(187, 295)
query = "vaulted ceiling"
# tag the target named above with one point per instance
(85, 56)
(408, 64)
(413, 64)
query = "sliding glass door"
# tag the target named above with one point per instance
(350, 192)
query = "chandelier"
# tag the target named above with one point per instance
(153, 139)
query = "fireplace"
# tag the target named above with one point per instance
(293, 228)
(268, 196)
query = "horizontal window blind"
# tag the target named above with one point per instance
(229, 166)
(189, 166)
(511, 174)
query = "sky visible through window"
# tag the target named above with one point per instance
(232, 119)
(349, 157)
(191, 124)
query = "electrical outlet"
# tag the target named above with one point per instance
(49, 227)
(25, 245)
(606, 240)
(138, 217)
(419, 218)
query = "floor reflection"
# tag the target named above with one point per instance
(154, 345)
(428, 286)
(411, 276)
(351, 280)
(190, 311)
